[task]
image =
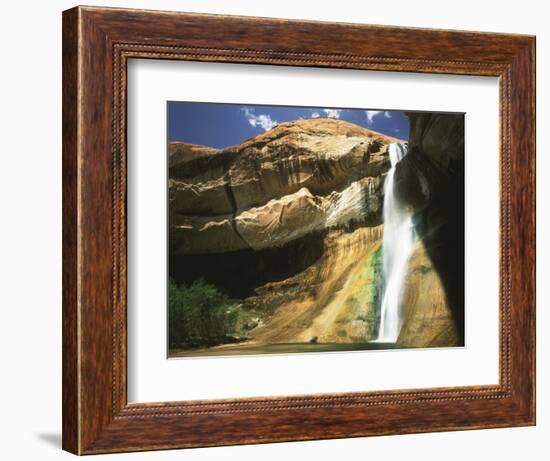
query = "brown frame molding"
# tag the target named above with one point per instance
(97, 43)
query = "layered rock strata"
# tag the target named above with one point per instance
(299, 177)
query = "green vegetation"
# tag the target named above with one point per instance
(375, 289)
(200, 316)
(363, 301)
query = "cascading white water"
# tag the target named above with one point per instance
(398, 243)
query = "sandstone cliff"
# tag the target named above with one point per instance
(432, 183)
(299, 177)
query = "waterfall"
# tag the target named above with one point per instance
(398, 243)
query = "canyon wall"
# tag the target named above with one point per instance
(431, 183)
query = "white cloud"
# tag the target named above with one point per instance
(315, 115)
(263, 121)
(375, 113)
(333, 113)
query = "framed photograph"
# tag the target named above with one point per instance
(284, 230)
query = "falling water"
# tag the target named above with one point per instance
(399, 239)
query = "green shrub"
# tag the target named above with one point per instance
(199, 315)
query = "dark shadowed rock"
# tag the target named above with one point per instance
(431, 182)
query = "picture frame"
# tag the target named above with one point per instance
(97, 45)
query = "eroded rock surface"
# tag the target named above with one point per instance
(428, 320)
(299, 177)
(431, 182)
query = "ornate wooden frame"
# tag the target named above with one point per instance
(97, 43)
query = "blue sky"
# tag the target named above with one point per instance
(223, 125)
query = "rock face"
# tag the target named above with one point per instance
(428, 320)
(299, 177)
(332, 301)
(290, 223)
(431, 182)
